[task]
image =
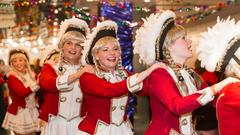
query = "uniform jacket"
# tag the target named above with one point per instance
(228, 109)
(167, 104)
(97, 97)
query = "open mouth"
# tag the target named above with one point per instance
(112, 59)
(72, 52)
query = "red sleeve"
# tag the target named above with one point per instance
(17, 87)
(144, 91)
(1, 79)
(47, 79)
(96, 86)
(162, 85)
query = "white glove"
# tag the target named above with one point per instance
(209, 92)
(206, 97)
(223, 83)
(34, 87)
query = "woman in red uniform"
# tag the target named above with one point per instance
(177, 90)
(22, 114)
(105, 93)
(219, 51)
(62, 97)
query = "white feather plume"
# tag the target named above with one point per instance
(146, 36)
(214, 43)
(90, 37)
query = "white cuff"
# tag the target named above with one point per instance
(132, 84)
(34, 87)
(206, 97)
(62, 84)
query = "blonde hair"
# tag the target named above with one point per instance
(71, 35)
(173, 34)
(103, 41)
(98, 45)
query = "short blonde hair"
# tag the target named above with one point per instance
(173, 34)
(71, 35)
(103, 41)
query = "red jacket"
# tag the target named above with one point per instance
(228, 110)
(47, 82)
(18, 93)
(167, 104)
(1, 79)
(97, 95)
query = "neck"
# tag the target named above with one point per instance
(71, 62)
(179, 61)
(104, 69)
(23, 72)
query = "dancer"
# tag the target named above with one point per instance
(177, 90)
(62, 97)
(219, 51)
(22, 114)
(105, 93)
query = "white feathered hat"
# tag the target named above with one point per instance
(150, 37)
(105, 28)
(48, 51)
(18, 52)
(72, 24)
(218, 45)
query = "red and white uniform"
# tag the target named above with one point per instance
(106, 102)
(62, 102)
(22, 114)
(228, 109)
(171, 111)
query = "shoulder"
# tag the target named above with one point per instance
(231, 89)
(127, 72)
(88, 75)
(12, 74)
(161, 75)
(48, 65)
(160, 71)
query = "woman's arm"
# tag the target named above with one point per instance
(75, 76)
(93, 85)
(163, 87)
(47, 79)
(16, 86)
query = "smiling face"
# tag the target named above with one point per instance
(72, 51)
(107, 53)
(19, 64)
(71, 44)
